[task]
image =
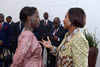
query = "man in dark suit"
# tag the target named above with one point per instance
(9, 20)
(5, 36)
(5, 32)
(57, 36)
(57, 32)
(37, 33)
(17, 29)
(45, 28)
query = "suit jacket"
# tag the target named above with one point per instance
(60, 34)
(45, 29)
(73, 53)
(37, 33)
(16, 32)
(12, 23)
(5, 35)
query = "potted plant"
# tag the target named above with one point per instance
(93, 50)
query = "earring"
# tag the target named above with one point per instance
(29, 22)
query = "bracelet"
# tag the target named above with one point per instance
(54, 49)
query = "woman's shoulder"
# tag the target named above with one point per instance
(79, 36)
(79, 39)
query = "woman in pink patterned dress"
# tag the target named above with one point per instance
(28, 52)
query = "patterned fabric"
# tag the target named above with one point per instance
(65, 61)
(73, 53)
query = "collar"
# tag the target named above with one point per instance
(2, 23)
(73, 33)
(58, 27)
(20, 22)
(46, 20)
(10, 22)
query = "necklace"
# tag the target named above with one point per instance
(70, 36)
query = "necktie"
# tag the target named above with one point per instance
(55, 31)
(0, 26)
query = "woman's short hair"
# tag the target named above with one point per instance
(25, 12)
(76, 16)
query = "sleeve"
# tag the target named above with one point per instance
(6, 44)
(24, 45)
(9, 36)
(80, 52)
(62, 34)
(54, 51)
